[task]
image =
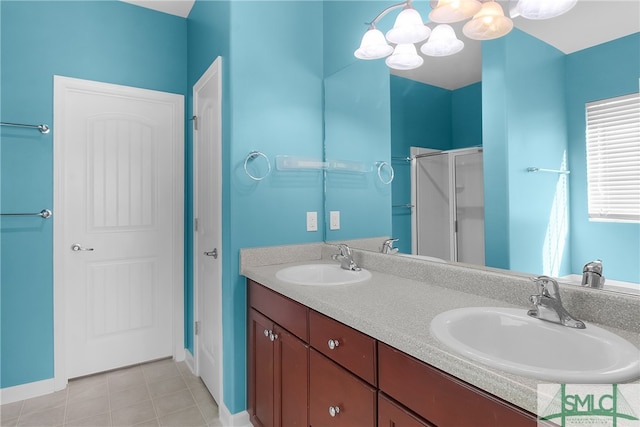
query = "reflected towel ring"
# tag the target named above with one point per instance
(381, 166)
(252, 155)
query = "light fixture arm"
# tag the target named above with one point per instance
(382, 14)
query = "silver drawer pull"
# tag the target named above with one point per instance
(334, 410)
(333, 344)
(76, 247)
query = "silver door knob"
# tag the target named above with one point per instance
(213, 253)
(334, 410)
(333, 344)
(76, 247)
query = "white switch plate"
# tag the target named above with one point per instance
(334, 220)
(312, 221)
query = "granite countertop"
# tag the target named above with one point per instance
(398, 311)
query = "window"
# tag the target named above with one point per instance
(613, 159)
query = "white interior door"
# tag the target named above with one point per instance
(118, 202)
(207, 99)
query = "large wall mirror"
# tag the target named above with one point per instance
(520, 99)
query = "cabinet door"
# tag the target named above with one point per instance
(291, 380)
(261, 365)
(391, 414)
(337, 397)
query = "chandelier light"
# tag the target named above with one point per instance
(543, 9)
(488, 22)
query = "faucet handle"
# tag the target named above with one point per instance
(544, 289)
(344, 249)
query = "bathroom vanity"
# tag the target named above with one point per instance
(362, 354)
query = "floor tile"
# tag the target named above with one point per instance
(100, 420)
(87, 388)
(128, 397)
(132, 415)
(209, 412)
(150, 423)
(9, 422)
(47, 401)
(160, 371)
(129, 378)
(167, 386)
(9, 411)
(46, 418)
(189, 417)
(87, 408)
(173, 402)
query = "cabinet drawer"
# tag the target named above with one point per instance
(441, 398)
(331, 386)
(354, 350)
(390, 414)
(287, 313)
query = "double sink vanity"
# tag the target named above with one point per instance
(415, 343)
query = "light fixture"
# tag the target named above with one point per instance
(373, 45)
(489, 23)
(443, 42)
(449, 11)
(405, 57)
(408, 28)
(543, 9)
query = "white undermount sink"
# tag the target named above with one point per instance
(321, 275)
(510, 340)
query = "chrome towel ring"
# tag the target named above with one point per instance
(254, 155)
(382, 167)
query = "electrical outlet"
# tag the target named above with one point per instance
(334, 220)
(312, 221)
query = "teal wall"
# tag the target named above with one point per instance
(427, 116)
(357, 125)
(525, 126)
(110, 41)
(604, 71)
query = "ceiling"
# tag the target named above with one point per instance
(589, 23)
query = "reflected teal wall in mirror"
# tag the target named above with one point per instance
(357, 125)
(526, 214)
(604, 71)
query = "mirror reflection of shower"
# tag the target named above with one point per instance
(447, 192)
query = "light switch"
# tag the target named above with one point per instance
(312, 221)
(334, 220)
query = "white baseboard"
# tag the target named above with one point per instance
(26, 391)
(190, 361)
(241, 419)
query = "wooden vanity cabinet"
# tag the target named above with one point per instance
(390, 414)
(278, 361)
(441, 398)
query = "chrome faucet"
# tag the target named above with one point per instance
(548, 305)
(346, 258)
(592, 274)
(387, 247)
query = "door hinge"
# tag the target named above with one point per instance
(196, 328)
(195, 122)
(195, 224)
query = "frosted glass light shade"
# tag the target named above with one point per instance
(405, 57)
(489, 23)
(448, 11)
(373, 46)
(544, 9)
(408, 28)
(443, 42)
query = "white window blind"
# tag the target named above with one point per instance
(613, 159)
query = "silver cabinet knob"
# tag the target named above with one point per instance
(266, 332)
(76, 247)
(273, 336)
(334, 410)
(333, 344)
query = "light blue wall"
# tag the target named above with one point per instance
(427, 116)
(525, 125)
(604, 71)
(357, 125)
(108, 41)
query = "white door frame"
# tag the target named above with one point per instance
(214, 71)
(61, 85)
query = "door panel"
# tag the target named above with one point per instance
(116, 154)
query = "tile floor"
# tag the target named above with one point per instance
(161, 393)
